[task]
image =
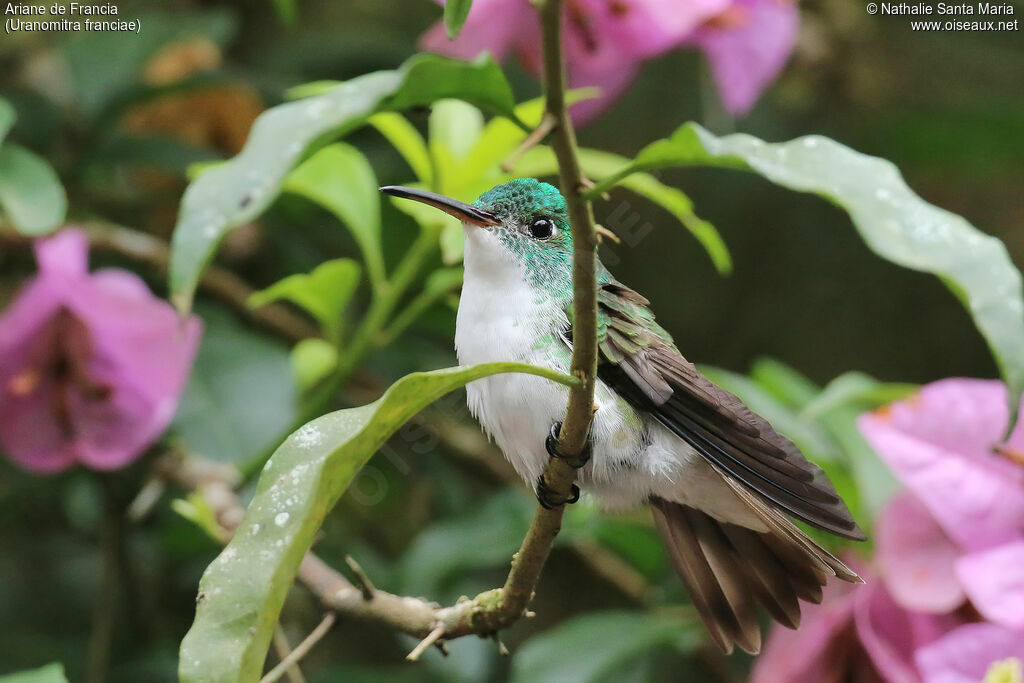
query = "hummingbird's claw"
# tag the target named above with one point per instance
(551, 444)
(545, 496)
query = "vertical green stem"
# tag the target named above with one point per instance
(366, 336)
(105, 606)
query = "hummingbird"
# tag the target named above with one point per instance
(721, 483)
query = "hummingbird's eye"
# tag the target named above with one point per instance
(541, 229)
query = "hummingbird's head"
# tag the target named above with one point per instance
(522, 224)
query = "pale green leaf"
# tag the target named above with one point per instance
(454, 127)
(312, 360)
(7, 117)
(858, 390)
(241, 189)
(30, 192)
(51, 673)
(340, 179)
(455, 13)
(242, 591)
(404, 137)
(500, 138)
(785, 382)
(453, 243)
(610, 640)
(196, 509)
(324, 293)
(894, 222)
(311, 89)
(240, 396)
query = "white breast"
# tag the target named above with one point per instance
(501, 318)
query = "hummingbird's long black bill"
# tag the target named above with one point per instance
(464, 212)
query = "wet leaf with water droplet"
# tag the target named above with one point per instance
(895, 223)
(245, 586)
(239, 190)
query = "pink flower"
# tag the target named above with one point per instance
(747, 41)
(967, 654)
(947, 603)
(958, 533)
(91, 366)
(747, 46)
(857, 633)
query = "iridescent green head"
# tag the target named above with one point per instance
(524, 223)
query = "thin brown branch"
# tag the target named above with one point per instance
(559, 475)
(301, 649)
(547, 123)
(365, 585)
(432, 637)
(284, 649)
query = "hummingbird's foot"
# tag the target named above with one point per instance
(546, 497)
(551, 444)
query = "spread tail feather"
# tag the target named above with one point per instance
(728, 569)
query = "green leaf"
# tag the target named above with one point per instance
(454, 127)
(51, 673)
(240, 396)
(439, 283)
(323, 293)
(609, 639)
(340, 179)
(238, 191)
(30, 191)
(287, 11)
(598, 164)
(486, 538)
(312, 360)
(242, 591)
(404, 137)
(7, 117)
(894, 222)
(784, 382)
(311, 89)
(455, 13)
(858, 390)
(876, 484)
(197, 510)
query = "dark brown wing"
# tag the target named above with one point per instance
(639, 360)
(728, 569)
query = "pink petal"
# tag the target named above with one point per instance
(492, 26)
(808, 654)
(994, 582)
(939, 445)
(917, 558)
(749, 51)
(133, 355)
(642, 28)
(143, 350)
(31, 436)
(64, 255)
(965, 654)
(611, 74)
(886, 633)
